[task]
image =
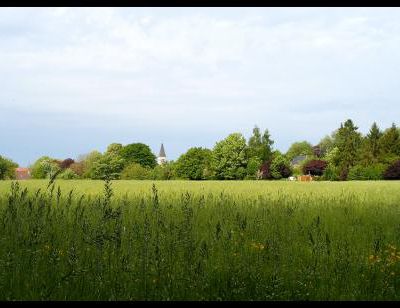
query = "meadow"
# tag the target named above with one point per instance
(211, 240)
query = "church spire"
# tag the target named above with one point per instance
(162, 158)
(162, 151)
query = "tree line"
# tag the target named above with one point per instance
(345, 154)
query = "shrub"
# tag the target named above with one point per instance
(393, 171)
(68, 174)
(163, 172)
(331, 173)
(135, 171)
(78, 168)
(315, 167)
(371, 172)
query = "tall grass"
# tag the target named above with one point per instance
(174, 241)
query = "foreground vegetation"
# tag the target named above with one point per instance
(199, 240)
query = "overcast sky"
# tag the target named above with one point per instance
(75, 80)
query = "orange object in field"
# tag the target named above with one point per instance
(305, 178)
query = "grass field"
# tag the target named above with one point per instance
(181, 240)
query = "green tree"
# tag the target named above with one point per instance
(267, 143)
(348, 143)
(193, 163)
(260, 146)
(299, 148)
(255, 144)
(44, 167)
(280, 166)
(7, 168)
(114, 148)
(253, 167)
(138, 153)
(109, 166)
(327, 143)
(229, 157)
(371, 145)
(390, 142)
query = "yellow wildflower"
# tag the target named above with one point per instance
(373, 259)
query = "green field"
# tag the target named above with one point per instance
(182, 240)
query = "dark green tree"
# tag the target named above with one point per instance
(267, 143)
(371, 145)
(390, 142)
(348, 141)
(138, 153)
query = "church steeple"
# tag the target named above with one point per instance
(162, 158)
(162, 151)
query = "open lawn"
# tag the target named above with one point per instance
(181, 240)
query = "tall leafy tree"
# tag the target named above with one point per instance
(193, 164)
(299, 148)
(138, 153)
(229, 159)
(109, 166)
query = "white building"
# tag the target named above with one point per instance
(162, 158)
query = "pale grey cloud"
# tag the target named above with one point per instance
(196, 74)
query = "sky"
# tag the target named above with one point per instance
(75, 80)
